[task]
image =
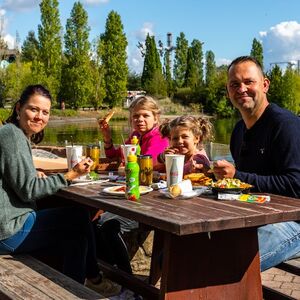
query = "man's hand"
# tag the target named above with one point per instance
(223, 169)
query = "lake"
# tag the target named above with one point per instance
(85, 132)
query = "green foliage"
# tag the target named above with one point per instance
(77, 79)
(152, 78)
(30, 48)
(194, 70)
(180, 63)
(257, 51)
(114, 56)
(50, 45)
(4, 114)
(134, 82)
(64, 113)
(211, 68)
(276, 87)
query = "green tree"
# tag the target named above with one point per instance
(211, 68)
(276, 88)
(180, 62)
(290, 92)
(50, 44)
(134, 82)
(167, 72)
(152, 78)
(257, 51)
(114, 57)
(77, 71)
(30, 47)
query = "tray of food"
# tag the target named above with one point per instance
(230, 185)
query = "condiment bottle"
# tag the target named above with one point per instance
(132, 171)
(135, 141)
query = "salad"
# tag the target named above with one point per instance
(230, 183)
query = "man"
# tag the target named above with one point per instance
(265, 146)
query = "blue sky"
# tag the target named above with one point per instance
(226, 27)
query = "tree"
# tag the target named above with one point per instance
(30, 48)
(77, 80)
(211, 68)
(180, 63)
(114, 57)
(257, 51)
(275, 94)
(152, 78)
(167, 71)
(194, 70)
(50, 44)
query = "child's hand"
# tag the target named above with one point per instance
(171, 150)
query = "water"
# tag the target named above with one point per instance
(87, 132)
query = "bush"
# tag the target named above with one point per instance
(4, 114)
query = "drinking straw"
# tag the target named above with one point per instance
(123, 138)
(71, 137)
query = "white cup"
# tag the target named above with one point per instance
(179, 160)
(126, 149)
(74, 155)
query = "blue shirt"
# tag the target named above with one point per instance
(268, 154)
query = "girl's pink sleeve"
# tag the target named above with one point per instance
(155, 146)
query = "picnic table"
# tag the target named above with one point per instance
(203, 248)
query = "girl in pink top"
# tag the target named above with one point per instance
(144, 120)
(187, 134)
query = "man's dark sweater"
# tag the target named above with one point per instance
(268, 154)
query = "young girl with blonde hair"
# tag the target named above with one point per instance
(187, 135)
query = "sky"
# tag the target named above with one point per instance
(226, 27)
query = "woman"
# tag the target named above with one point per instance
(23, 228)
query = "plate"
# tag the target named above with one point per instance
(117, 190)
(230, 190)
(186, 195)
(81, 180)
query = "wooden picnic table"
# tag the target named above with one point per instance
(208, 248)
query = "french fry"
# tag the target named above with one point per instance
(108, 116)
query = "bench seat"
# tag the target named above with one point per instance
(24, 277)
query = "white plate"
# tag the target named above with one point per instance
(80, 180)
(186, 195)
(113, 190)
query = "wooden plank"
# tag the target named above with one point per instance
(24, 277)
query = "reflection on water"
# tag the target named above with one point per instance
(87, 132)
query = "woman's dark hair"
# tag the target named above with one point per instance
(29, 91)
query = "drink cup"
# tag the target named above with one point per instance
(126, 149)
(74, 155)
(174, 168)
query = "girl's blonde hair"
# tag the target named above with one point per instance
(146, 103)
(200, 127)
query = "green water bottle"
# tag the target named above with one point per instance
(135, 141)
(132, 171)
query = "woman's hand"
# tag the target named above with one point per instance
(82, 168)
(41, 174)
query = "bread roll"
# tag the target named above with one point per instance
(175, 190)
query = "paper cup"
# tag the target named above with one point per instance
(179, 161)
(126, 149)
(74, 155)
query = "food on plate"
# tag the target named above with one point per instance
(230, 183)
(198, 179)
(108, 116)
(175, 190)
(185, 186)
(120, 189)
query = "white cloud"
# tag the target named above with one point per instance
(142, 33)
(223, 61)
(92, 2)
(10, 40)
(135, 60)
(281, 43)
(20, 5)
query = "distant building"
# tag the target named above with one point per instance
(7, 56)
(132, 95)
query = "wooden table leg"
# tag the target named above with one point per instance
(222, 266)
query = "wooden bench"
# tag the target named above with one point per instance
(24, 277)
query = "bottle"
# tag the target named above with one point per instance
(174, 172)
(132, 171)
(135, 141)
